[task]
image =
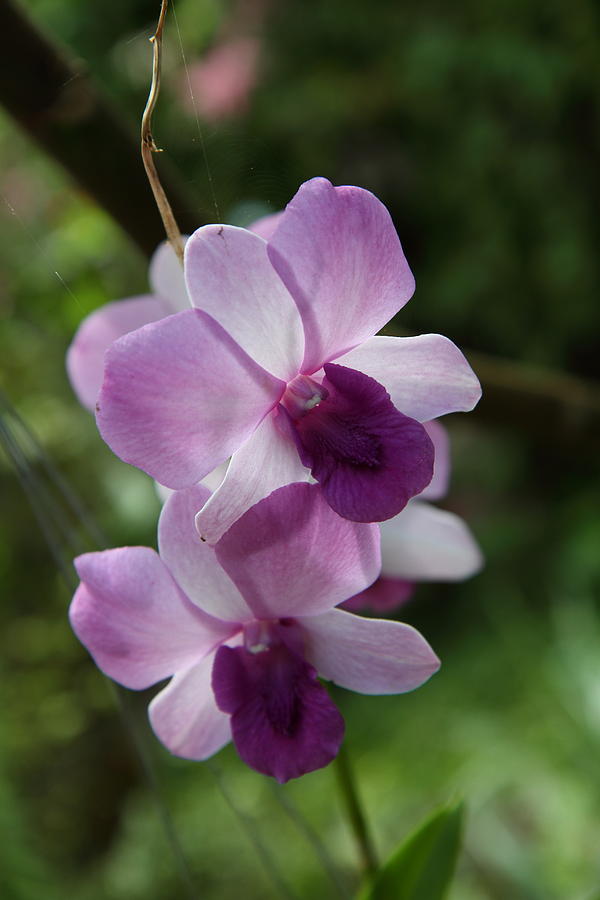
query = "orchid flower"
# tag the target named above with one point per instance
(246, 627)
(422, 543)
(85, 356)
(278, 368)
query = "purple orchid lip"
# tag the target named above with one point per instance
(368, 457)
(283, 722)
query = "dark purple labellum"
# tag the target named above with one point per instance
(368, 457)
(282, 719)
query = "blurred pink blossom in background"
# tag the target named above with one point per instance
(220, 85)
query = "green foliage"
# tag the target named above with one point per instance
(423, 866)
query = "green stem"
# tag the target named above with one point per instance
(356, 817)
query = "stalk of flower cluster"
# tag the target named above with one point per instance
(148, 146)
(356, 816)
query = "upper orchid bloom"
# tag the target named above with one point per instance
(277, 367)
(85, 356)
(246, 627)
(422, 543)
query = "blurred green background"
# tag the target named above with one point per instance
(478, 125)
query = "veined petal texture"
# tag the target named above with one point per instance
(337, 251)
(292, 555)
(229, 276)
(371, 656)
(426, 376)
(193, 563)
(134, 620)
(180, 396)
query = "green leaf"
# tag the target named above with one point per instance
(423, 866)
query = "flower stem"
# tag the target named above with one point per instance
(149, 148)
(356, 817)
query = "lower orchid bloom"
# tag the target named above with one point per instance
(422, 543)
(278, 368)
(246, 628)
(85, 356)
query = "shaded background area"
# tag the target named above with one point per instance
(478, 127)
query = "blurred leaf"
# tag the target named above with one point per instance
(423, 866)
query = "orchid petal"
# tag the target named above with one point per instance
(166, 278)
(337, 251)
(427, 376)
(193, 563)
(384, 596)
(85, 356)
(229, 276)
(291, 555)
(371, 656)
(136, 623)
(185, 716)
(424, 543)
(179, 396)
(438, 486)
(266, 461)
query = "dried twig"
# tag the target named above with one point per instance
(149, 147)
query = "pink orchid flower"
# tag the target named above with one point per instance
(221, 84)
(246, 627)
(422, 543)
(85, 356)
(277, 367)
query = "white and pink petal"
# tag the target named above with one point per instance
(185, 716)
(268, 460)
(370, 656)
(137, 624)
(266, 226)
(438, 486)
(166, 278)
(180, 396)
(229, 276)
(337, 251)
(85, 356)
(292, 555)
(192, 562)
(426, 376)
(424, 543)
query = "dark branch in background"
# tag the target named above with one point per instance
(54, 100)
(561, 409)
